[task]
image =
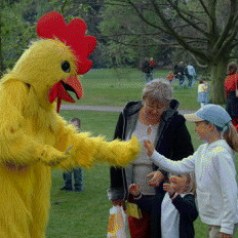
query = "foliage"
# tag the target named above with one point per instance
(18, 21)
(201, 31)
(205, 29)
(126, 38)
(16, 32)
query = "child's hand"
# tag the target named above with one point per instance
(149, 147)
(178, 183)
(168, 188)
(134, 189)
(155, 178)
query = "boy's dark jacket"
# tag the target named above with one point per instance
(187, 209)
(173, 141)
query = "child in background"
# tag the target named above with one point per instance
(178, 209)
(170, 77)
(213, 164)
(75, 173)
(203, 96)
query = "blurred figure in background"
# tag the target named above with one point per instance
(170, 76)
(230, 87)
(148, 68)
(76, 173)
(190, 74)
(179, 72)
(203, 93)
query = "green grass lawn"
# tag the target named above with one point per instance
(116, 87)
(84, 215)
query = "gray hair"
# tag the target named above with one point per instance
(159, 90)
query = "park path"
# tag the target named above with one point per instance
(102, 108)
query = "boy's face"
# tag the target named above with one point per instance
(75, 123)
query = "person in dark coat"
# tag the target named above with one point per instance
(179, 72)
(156, 117)
(148, 68)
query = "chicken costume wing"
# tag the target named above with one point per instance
(34, 138)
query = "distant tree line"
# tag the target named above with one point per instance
(202, 32)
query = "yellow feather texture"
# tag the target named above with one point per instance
(34, 138)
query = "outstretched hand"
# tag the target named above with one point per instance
(134, 189)
(149, 147)
(52, 157)
(168, 188)
(155, 178)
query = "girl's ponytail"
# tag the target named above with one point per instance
(231, 137)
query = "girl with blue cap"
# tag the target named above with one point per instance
(214, 167)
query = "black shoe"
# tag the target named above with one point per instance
(78, 190)
(66, 188)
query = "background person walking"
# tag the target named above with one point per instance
(179, 72)
(203, 93)
(230, 86)
(148, 68)
(191, 74)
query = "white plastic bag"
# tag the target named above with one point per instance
(116, 223)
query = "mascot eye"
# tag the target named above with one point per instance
(65, 66)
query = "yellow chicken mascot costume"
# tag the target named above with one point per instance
(34, 138)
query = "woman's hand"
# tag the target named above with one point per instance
(155, 178)
(149, 147)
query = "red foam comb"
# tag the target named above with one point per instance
(53, 26)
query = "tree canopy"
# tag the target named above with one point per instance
(206, 29)
(128, 30)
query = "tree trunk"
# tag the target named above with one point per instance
(1, 42)
(218, 74)
(1, 57)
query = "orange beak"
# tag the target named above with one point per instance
(60, 90)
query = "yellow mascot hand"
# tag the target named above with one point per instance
(87, 150)
(118, 153)
(52, 157)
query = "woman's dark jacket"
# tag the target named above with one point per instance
(173, 141)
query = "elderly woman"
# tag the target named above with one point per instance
(156, 117)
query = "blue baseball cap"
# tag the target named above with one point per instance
(212, 113)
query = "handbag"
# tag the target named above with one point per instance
(116, 223)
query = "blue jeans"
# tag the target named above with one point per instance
(149, 76)
(78, 179)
